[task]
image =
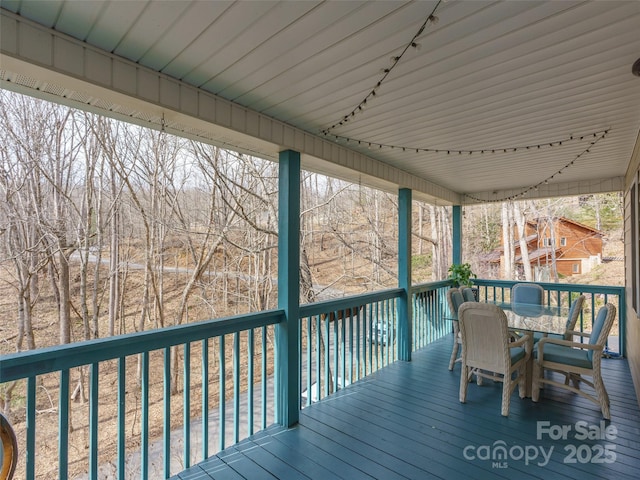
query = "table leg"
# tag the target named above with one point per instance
(529, 368)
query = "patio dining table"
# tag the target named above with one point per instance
(527, 318)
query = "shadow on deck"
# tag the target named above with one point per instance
(405, 422)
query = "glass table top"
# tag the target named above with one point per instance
(528, 317)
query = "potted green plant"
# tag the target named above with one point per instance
(461, 275)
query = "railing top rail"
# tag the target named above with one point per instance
(351, 301)
(61, 357)
(422, 287)
(572, 287)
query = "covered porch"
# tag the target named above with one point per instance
(405, 415)
(507, 101)
(405, 421)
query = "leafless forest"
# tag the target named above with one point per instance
(91, 205)
(109, 228)
(95, 211)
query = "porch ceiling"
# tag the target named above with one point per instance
(487, 76)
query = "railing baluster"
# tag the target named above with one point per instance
(63, 426)
(393, 319)
(222, 393)
(264, 378)
(250, 349)
(31, 428)
(318, 358)
(388, 346)
(358, 319)
(376, 319)
(385, 330)
(122, 413)
(93, 421)
(186, 395)
(205, 398)
(307, 383)
(351, 332)
(366, 347)
(236, 387)
(166, 428)
(385, 333)
(343, 349)
(327, 350)
(144, 453)
(336, 352)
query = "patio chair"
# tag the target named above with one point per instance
(572, 319)
(455, 299)
(490, 350)
(525, 297)
(576, 360)
(9, 453)
(468, 295)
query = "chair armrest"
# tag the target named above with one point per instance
(567, 343)
(522, 340)
(577, 333)
(514, 335)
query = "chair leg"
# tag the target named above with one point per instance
(464, 382)
(603, 397)
(454, 353)
(538, 372)
(522, 381)
(506, 395)
(576, 381)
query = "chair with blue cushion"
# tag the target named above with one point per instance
(454, 300)
(572, 319)
(490, 351)
(529, 293)
(467, 293)
(576, 360)
(527, 299)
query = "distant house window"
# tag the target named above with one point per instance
(563, 241)
(576, 268)
(547, 242)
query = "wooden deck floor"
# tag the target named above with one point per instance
(405, 422)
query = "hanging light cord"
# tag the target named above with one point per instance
(524, 192)
(385, 72)
(450, 151)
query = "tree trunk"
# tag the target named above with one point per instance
(551, 221)
(65, 298)
(507, 241)
(524, 249)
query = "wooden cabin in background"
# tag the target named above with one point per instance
(576, 248)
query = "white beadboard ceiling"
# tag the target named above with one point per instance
(489, 76)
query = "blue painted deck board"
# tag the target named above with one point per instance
(405, 422)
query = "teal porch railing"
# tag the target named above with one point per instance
(240, 341)
(561, 295)
(429, 305)
(229, 364)
(344, 340)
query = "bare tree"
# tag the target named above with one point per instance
(524, 249)
(440, 230)
(507, 241)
